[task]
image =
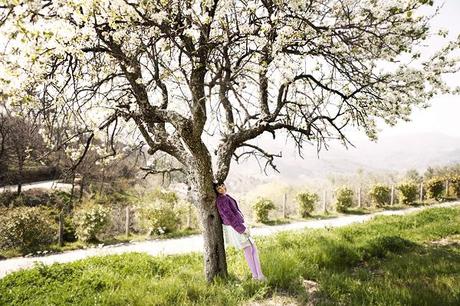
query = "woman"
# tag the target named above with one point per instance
(235, 230)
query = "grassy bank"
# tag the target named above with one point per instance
(392, 260)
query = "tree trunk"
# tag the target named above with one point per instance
(20, 178)
(82, 186)
(214, 251)
(215, 263)
(72, 191)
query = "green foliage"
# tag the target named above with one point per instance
(307, 201)
(380, 195)
(6, 198)
(407, 192)
(262, 208)
(344, 199)
(435, 188)
(455, 185)
(113, 198)
(26, 228)
(159, 217)
(90, 219)
(70, 231)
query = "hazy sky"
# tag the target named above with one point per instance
(443, 115)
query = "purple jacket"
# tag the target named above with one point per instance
(230, 212)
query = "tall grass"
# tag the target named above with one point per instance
(388, 261)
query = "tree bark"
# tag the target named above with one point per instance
(82, 186)
(20, 178)
(215, 263)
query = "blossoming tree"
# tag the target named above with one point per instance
(178, 70)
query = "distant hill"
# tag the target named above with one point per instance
(397, 153)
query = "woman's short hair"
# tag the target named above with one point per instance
(216, 184)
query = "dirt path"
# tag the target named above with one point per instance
(191, 243)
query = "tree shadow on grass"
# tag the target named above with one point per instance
(396, 271)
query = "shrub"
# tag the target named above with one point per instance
(7, 197)
(261, 209)
(70, 232)
(90, 219)
(380, 195)
(344, 199)
(455, 185)
(26, 228)
(407, 192)
(307, 201)
(435, 188)
(159, 217)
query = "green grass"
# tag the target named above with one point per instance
(388, 261)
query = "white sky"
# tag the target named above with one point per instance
(443, 115)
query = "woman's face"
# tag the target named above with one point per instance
(221, 189)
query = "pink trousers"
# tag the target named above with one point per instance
(252, 258)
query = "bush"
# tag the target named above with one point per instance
(306, 201)
(261, 209)
(159, 217)
(455, 185)
(380, 195)
(407, 192)
(90, 219)
(70, 232)
(7, 197)
(26, 228)
(344, 199)
(435, 188)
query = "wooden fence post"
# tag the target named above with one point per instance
(392, 195)
(359, 197)
(189, 215)
(421, 192)
(284, 206)
(447, 188)
(324, 202)
(127, 222)
(61, 229)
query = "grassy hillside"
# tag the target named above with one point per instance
(392, 260)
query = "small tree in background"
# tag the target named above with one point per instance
(380, 195)
(344, 199)
(413, 175)
(435, 188)
(306, 201)
(407, 192)
(262, 208)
